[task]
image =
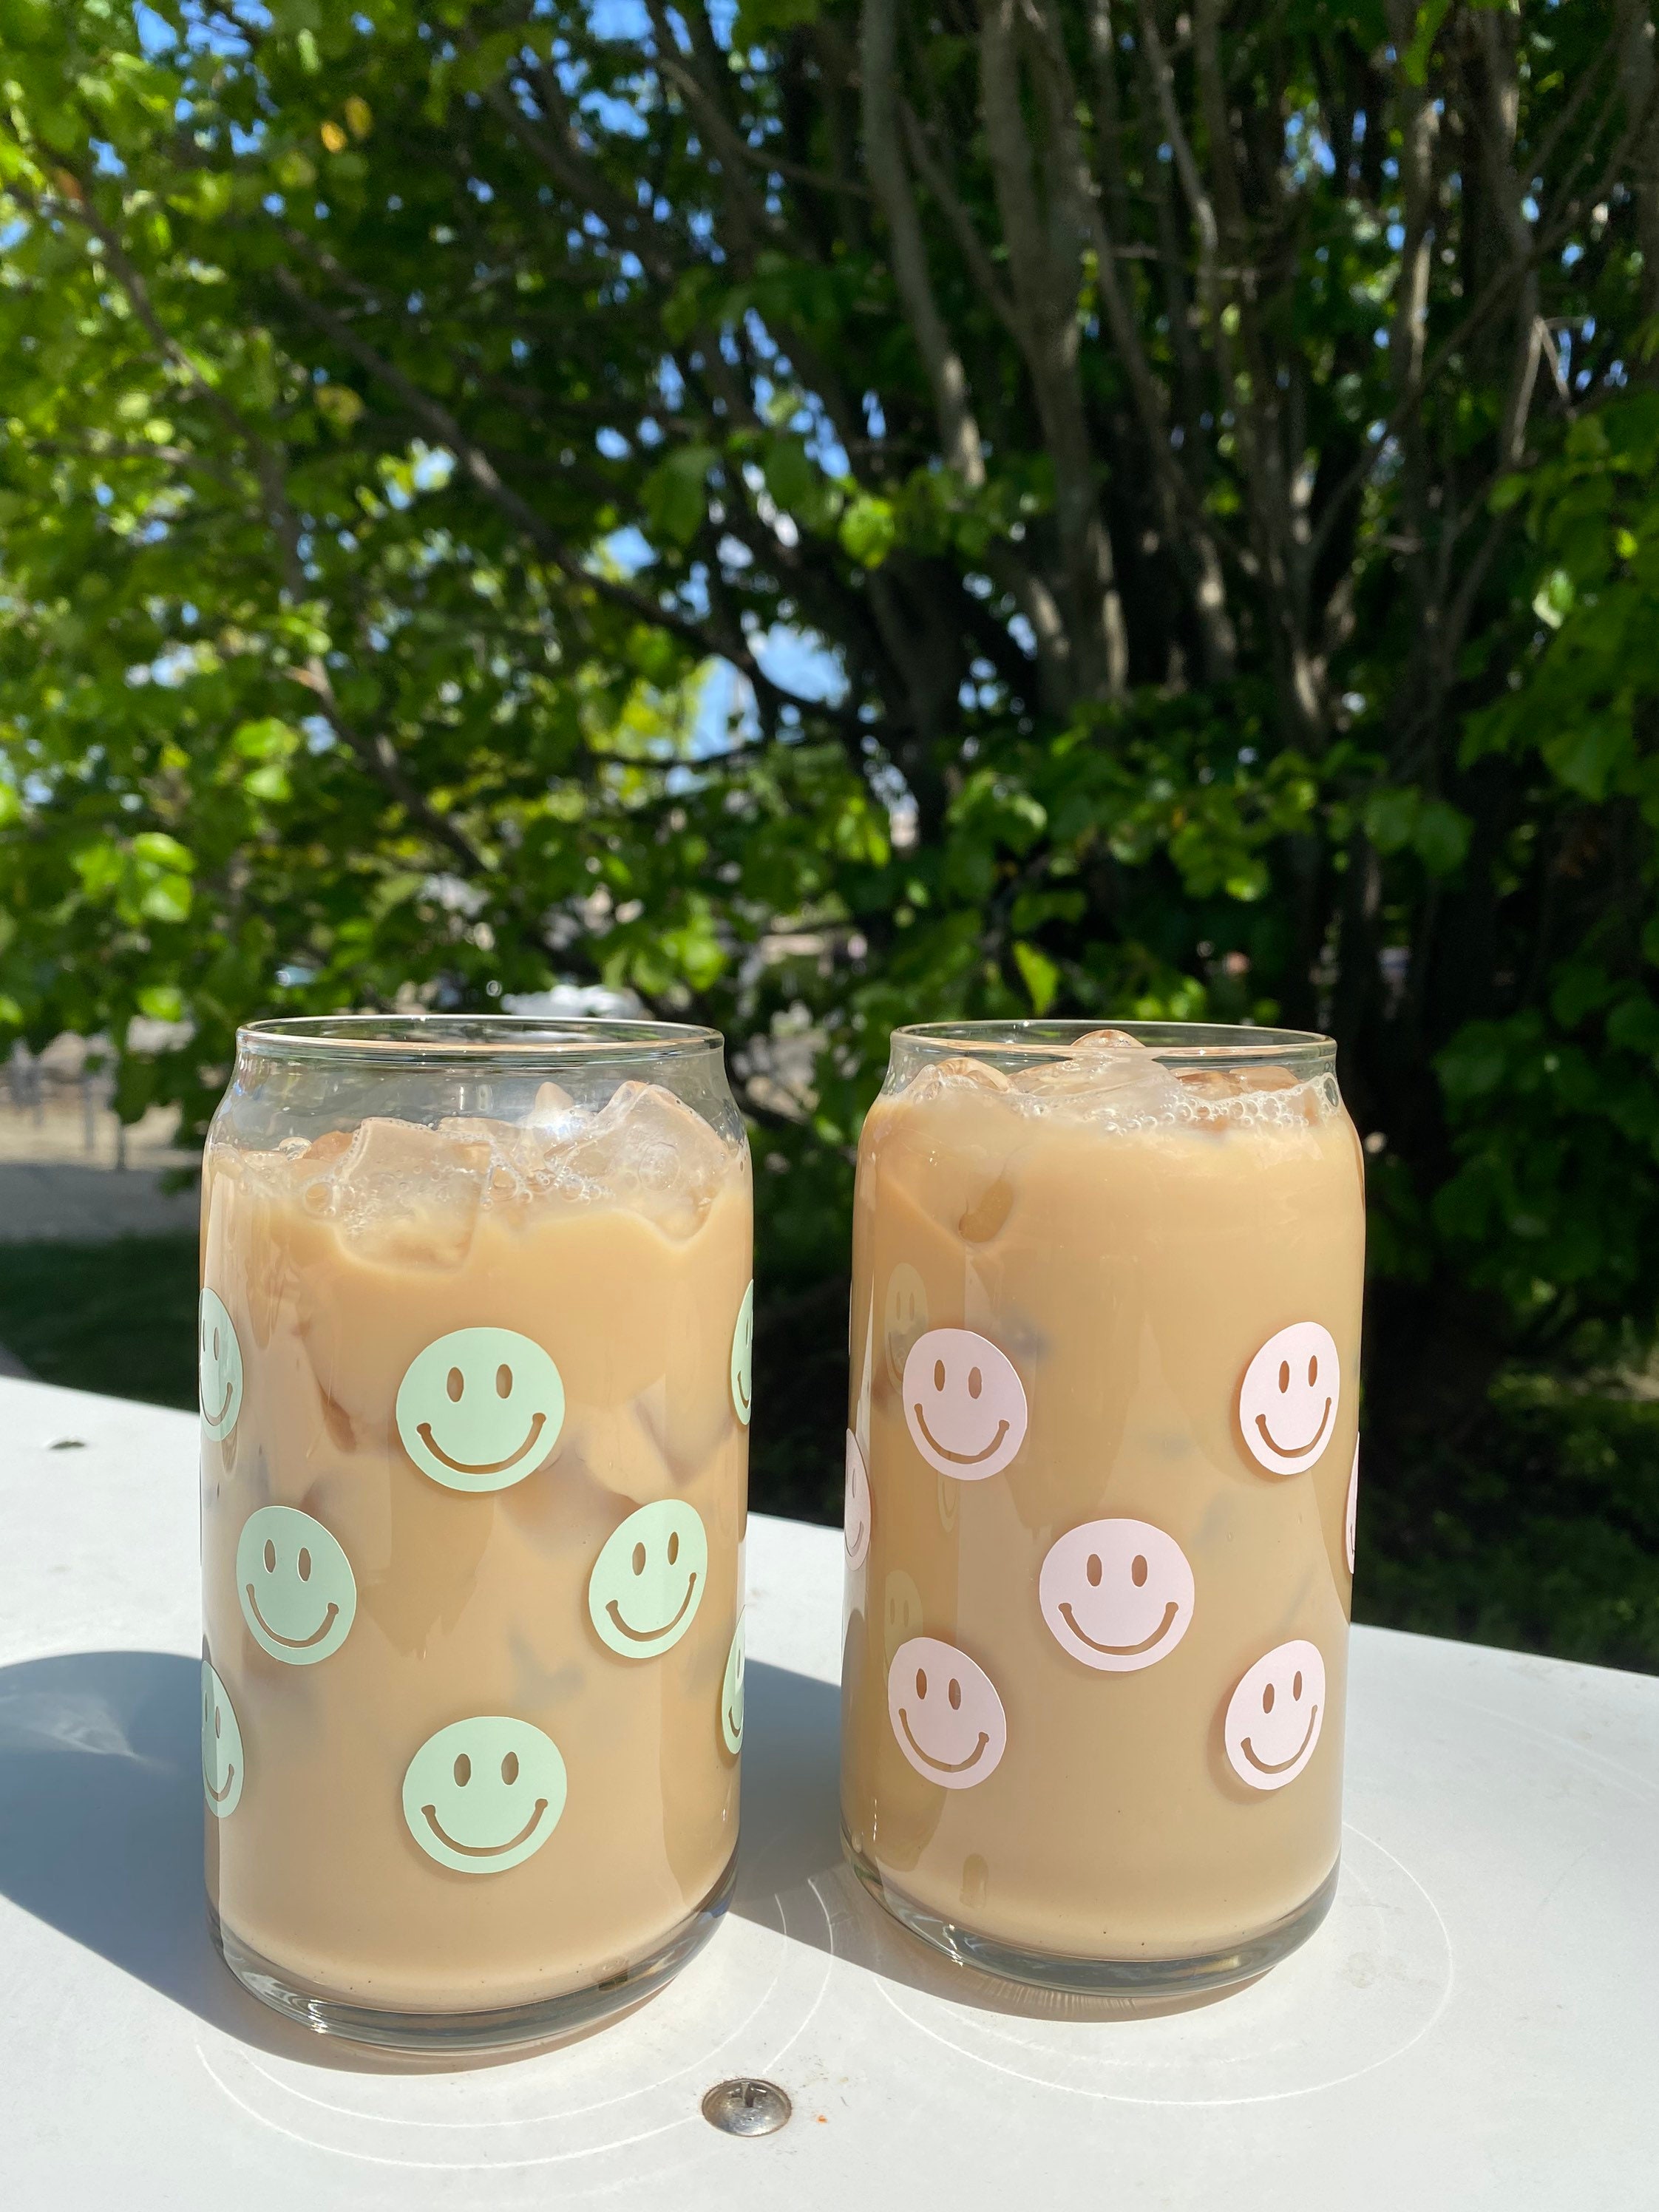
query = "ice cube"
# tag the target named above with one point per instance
(1096, 1041)
(648, 1151)
(407, 1195)
(554, 1111)
(950, 1077)
(1118, 1084)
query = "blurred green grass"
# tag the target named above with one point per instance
(1540, 1533)
(117, 1317)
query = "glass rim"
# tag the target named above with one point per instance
(1179, 1039)
(435, 1040)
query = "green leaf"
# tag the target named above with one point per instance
(1440, 836)
(868, 530)
(161, 1002)
(1391, 818)
(677, 492)
(1039, 975)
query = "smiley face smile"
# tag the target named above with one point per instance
(943, 1765)
(483, 1851)
(1294, 1381)
(293, 1643)
(1122, 1650)
(1279, 1766)
(1130, 1580)
(1293, 1451)
(298, 1593)
(219, 1795)
(480, 1408)
(650, 1635)
(658, 1559)
(940, 1701)
(490, 1467)
(956, 1458)
(1264, 1746)
(964, 1404)
(466, 1791)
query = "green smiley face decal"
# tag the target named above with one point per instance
(743, 1357)
(480, 1409)
(484, 1795)
(648, 1583)
(221, 1747)
(218, 1367)
(297, 1592)
(732, 1691)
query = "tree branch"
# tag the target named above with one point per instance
(958, 431)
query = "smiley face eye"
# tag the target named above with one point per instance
(1295, 1686)
(938, 1374)
(454, 1384)
(1313, 1370)
(305, 1564)
(673, 1547)
(218, 1722)
(921, 1685)
(215, 1339)
(271, 1556)
(1138, 1572)
(975, 1383)
(1284, 1374)
(462, 1772)
(503, 1382)
(955, 1695)
(1093, 1569)
(1267, 1699)
(510, 1767)
(639, 1559)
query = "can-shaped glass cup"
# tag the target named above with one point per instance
(475, 1334)
(1101, 1461)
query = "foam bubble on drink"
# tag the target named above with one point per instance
(409, 1195)
(647, 1150)
(1265, 1097)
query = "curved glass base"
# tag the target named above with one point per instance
(1191, 1976)
(496, 2029)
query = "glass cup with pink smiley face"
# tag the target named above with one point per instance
(1102, 1477)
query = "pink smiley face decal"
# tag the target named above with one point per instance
(855, 1511)
(1275, 1715)
(946, 1716)
(1351, 1512)
(1117, 1595)
(1288, 1399)
(963, 1404)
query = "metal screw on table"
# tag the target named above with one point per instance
(746, 2106)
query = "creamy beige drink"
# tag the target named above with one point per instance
(1100, 1463)
(475, 1404)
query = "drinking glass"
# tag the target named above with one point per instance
(475, 1333)
(1101, 1466)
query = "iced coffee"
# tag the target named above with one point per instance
(1101, 1473)
(475, 1385)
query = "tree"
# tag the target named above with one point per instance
(1174, 489)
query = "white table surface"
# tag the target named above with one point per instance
(1477, 2023)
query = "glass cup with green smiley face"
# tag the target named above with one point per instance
(475, 1346)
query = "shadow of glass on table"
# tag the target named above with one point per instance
(101, 1837)
(100, 1832)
